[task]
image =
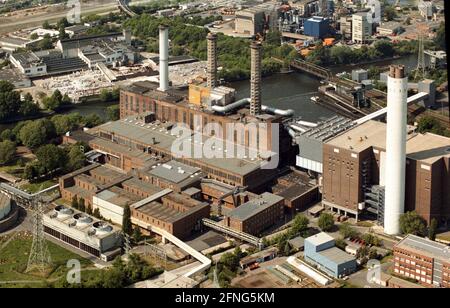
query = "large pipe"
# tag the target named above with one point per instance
(281, 112)
(212, 60)
(255, 78)
(395, 149)
(306, 123)
(298, 128)
(245, 101)
(163, 58)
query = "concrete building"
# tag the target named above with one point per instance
(375, 10)
(389, 28)
(361, 28)
(355, 163)
(426, 8)
(16, 77)
(345, 24)
(256, 215)
(174, 213)
(320, 251)
(70, 47)
(29, 64)
(397, 113)
(83, 232)
(423, 260)
(11, 44)
(359, 75)
(317, 27)
(255, 20)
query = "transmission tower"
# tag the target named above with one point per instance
(421, 66)
(39, 255)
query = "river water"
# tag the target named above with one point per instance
(284, 91)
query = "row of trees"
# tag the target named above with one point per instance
(120, 275)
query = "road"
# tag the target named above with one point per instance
(13, 24)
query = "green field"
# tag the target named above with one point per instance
(35, 187)
(14, 258)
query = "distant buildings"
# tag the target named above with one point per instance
(317, 27)
(257, 19)
(320, 251)
(361, 28)
(426, 8)
(423, 260)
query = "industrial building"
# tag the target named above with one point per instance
(9, 212)
(426, 8)
(257, 19)
(361, 28)
(423, 260)
(174, 213)
(345, 26)
(83, 232)
(16, 77)
(355, 166)
(317, 27)
(256, 215)
(320, 251)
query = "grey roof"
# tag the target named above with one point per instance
(336, 255)
(297, 242)
(14, 40)
(144, 134)
(12, 75)
(425, 247)
(174, 171)
(255, 206)
(319, 239)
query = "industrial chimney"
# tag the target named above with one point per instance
(395, 148)
(255, 78)
(163, 58)
(212, 60)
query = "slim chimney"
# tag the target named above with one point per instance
(395, 148)
(163, 58)
(212, 60)
(255, 78)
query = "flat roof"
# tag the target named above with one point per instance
(320, 238)
(428, 148)
(336, 255)
(174, 171)
(12, 75)
(361, 137)
(156, 136)
(425, 247)
(255, 206)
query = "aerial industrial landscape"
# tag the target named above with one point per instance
(244, 144)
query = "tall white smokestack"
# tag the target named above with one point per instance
(395, 149)
(163, 58)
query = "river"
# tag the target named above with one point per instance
(284, 91)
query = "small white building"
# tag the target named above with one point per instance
(83, 232)
(361, 28)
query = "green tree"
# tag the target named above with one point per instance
(76, 158)
(230, 260)
(127, 227)
(34, 36)
(7, 134)
(46, 25)
(430, 124)
(92, 120)
(389, 13)
(96, 213)
(75, 203)
(440, 39)
(412, 223)
(137, 234)
(36, 133)
(113, 112)
(45, 43)
(7, 151)
(432, 230)
(9, 100)
(299, 224)
(346, 230)
(51, 157)
(326, 222)
(82, 205)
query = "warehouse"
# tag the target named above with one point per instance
(320, 251)
(256, 215)
(317, 27)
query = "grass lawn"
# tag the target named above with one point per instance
(35, 187)
(14, 259)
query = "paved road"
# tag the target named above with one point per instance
(8, 25)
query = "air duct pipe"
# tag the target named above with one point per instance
(305, 123)
(246, 101)
(163, 58)
(281, 112)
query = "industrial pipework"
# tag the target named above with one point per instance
(246, 101)
(163, 58)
